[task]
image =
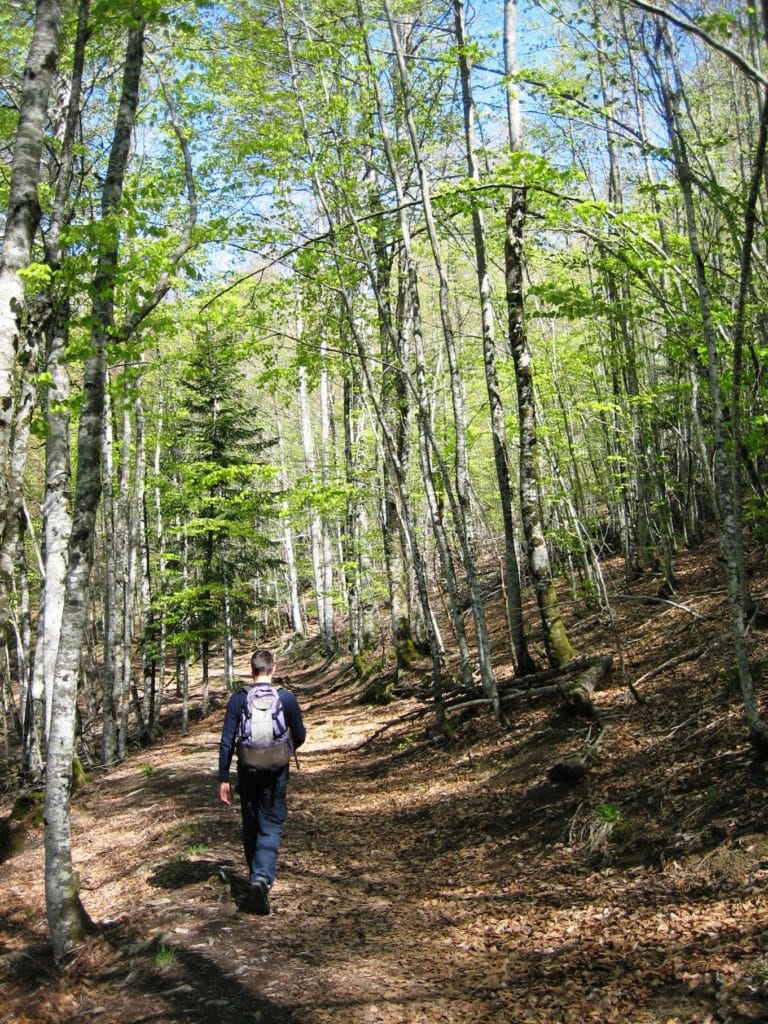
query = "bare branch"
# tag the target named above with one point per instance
(696, 30)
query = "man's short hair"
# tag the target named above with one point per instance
(262, 662)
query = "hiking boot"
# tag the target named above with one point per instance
(260, 896)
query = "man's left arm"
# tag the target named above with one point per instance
(293, 718)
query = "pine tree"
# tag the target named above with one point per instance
(222, 496)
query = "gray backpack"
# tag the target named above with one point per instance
(263, 738)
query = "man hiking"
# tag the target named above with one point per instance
(263, 724)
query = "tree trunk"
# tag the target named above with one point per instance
(558, 646)
(159, 626)
(295, 610)
(326, 454)
(405, 510)
(229, 642)
(460, 503)
(57, 519)
(109, 672)
(20, 227)
(351, 534)
(524, 662)
(727, 514)
(396, 405)
(66, 916)
(316, 531)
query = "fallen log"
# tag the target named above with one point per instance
(593, 670)
(578, 698)
(532, 679)
(577, 695)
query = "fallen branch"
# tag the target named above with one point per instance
(598, 665)
(693, 655)
(575, 767)
(642, 599)
(594, 670)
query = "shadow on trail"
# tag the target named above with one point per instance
(192, 987)
(196, 989)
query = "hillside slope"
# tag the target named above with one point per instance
(421, 882)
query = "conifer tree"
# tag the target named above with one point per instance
(222, 495)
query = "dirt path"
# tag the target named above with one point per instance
(415, 884)
(161, 858)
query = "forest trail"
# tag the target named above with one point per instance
(420, 883)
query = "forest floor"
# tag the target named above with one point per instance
(421, 882)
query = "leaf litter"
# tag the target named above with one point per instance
(426, 882)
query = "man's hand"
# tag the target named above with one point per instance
(225, 792)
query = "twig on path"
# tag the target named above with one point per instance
(693, 655)
(642, 599)
(681, 725)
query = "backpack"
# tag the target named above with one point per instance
(263, 738)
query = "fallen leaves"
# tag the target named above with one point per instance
(448, 887)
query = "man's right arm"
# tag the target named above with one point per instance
(228, 736)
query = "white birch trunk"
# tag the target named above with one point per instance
(317, 534)
(294, 604)
(66, 918)
(20, 227)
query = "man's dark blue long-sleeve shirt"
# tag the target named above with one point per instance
(235, 706)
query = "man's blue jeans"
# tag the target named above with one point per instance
(264, 809)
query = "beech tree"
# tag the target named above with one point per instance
(726, 446)
(21, 223)
(56, 508)
(66, 917)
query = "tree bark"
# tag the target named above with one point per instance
(558, 646)
(20, 227)
(728, 518)
(317, 531)
(460, 503)
(404, 505)
(294, 609)
(395, 402)
(66, 916)
(523, 661)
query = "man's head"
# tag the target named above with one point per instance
(262, 662)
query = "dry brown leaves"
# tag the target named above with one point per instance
(428, 884)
